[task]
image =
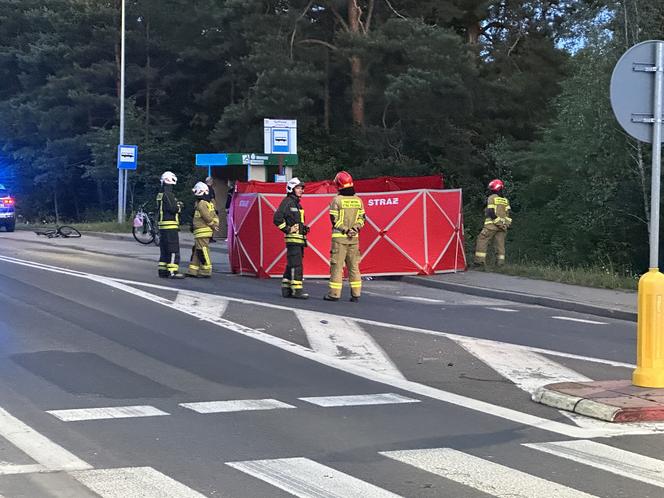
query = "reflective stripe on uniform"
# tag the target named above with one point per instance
(200, 233)
(336, 285)
(356, 284)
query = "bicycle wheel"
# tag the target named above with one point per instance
(68, 232)
(142, 234)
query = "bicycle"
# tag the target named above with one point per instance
(144, 228)
(64, 231)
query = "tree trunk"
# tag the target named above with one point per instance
(326, 94)
(473, 33)
(357, 74)
(359, 87)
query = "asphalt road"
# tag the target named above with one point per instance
(118, 384)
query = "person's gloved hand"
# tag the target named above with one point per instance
(351, 233)
(305, 229)
(293, 229)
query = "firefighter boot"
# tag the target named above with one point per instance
(327, 297)
(354, 299)
(286, 290)
(300, 294)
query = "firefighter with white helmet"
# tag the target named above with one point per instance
(497, 222)
(169, 225)
(205, 223)
(289, 218)
(347, 217)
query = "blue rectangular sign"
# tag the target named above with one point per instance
(211, 160)
(281, 140)
(127, 156)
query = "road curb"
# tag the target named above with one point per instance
(521, 297)
(632, 404)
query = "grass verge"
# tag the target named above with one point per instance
(587, 277)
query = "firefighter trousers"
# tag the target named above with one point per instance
(488, 233)
(169, 252)
(341, 254)
(294, 272)
(200, 264)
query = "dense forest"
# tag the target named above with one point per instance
(471, 89)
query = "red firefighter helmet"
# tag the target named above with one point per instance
(496, 185)
(343, 180)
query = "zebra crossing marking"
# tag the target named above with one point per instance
(111, 412)
(528, 370)
(308, 479)
(206, 303)
(359, 400)
(236, 405)
(37, 446)
(485, 476)
(342, 338)
(136, 482)
(601, 456)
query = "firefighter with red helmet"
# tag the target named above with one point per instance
(496, 224)
(347, 216)
(289, 218)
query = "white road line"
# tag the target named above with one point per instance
(404, 385)
(580, 320)
(235, 405)
(482, 475)
(134, 482)
(421, 299)
(79, 414)
(404, 328)
(7, 468)
(620, 462)
(360, 400)
(504, 310)
(344, 339)
(38, 447)
(528, 370)
(210, 304)
(308, 479)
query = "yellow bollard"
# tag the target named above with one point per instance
(650, 339)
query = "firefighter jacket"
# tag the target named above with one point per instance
(169, 210)
(205, 219)
(498, 212)
(347, 216)
(290, 214)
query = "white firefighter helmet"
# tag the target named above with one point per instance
(169, 178)
(292, 183)
(200, 189)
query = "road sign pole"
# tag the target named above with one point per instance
(121, 181)
(649, 370)
(656, 155)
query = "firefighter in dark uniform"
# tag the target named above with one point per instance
(347, 216)
(289, 218)
(205, 223)
(169, 226)
(497, 222)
